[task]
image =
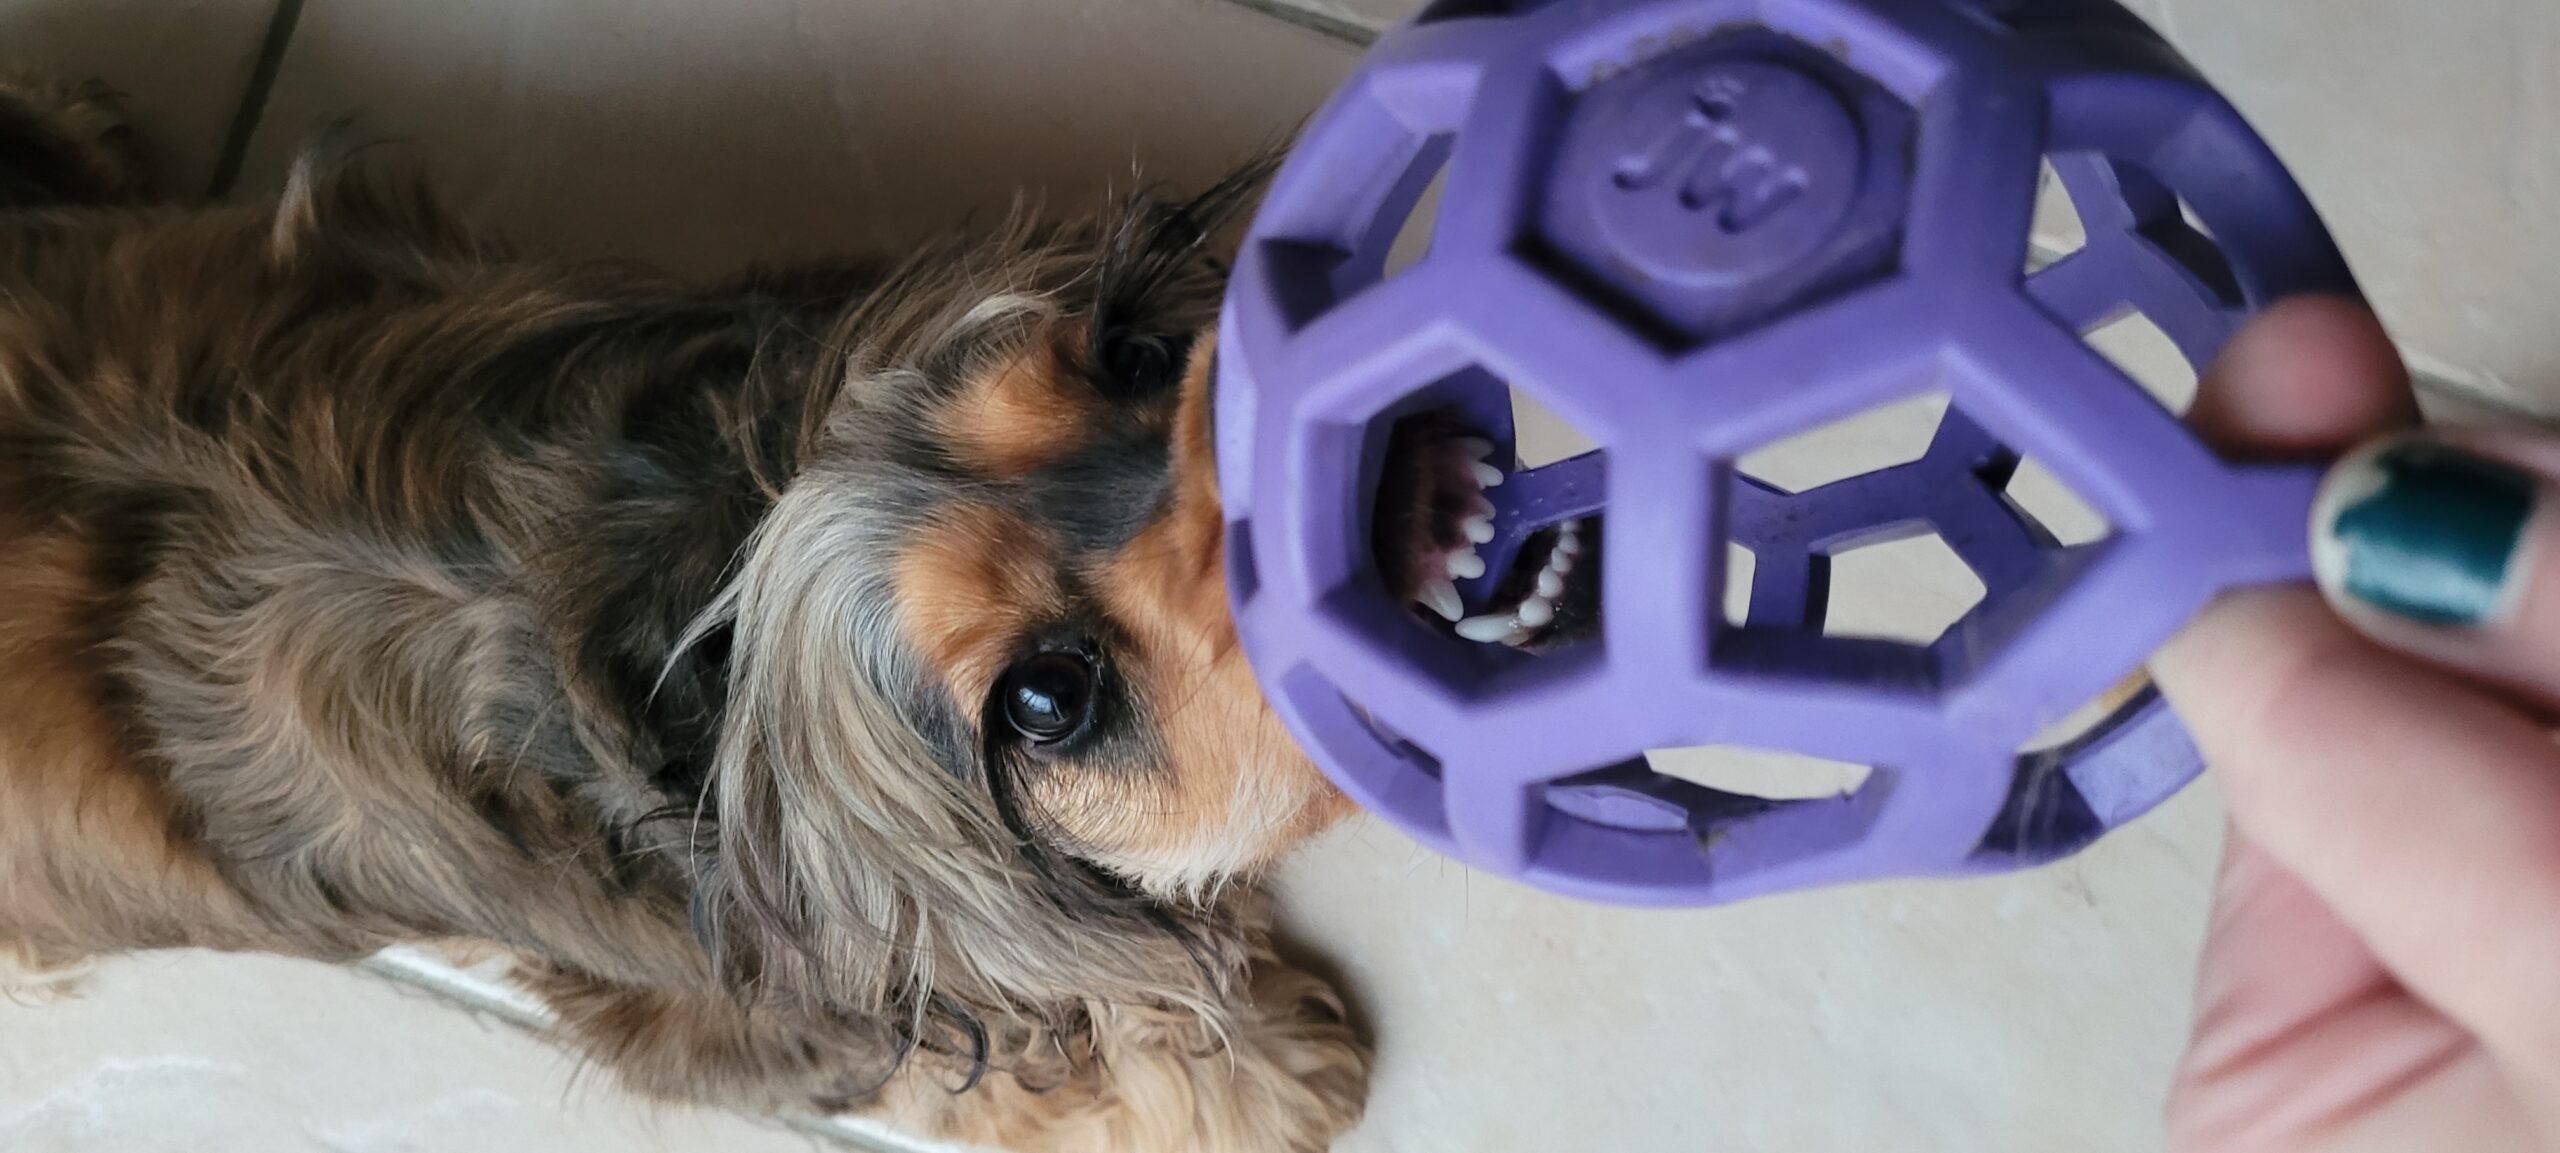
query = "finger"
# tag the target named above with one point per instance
(2443, 547)
(2426, 814)
(2423, 811)
(2309, 377)
(2300, 1033)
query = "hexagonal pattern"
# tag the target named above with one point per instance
(1535, 766)
(1905, 569)
(1721, 184)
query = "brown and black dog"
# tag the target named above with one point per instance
(820, 685)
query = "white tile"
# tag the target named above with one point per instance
(183, 63)
(2430, 137)
(201, 1053)
(2023, 1014)
(705, 135)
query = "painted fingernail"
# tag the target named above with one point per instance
(2426, 532)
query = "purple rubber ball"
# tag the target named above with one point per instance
(1693, 229)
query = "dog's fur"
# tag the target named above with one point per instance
(361, 583)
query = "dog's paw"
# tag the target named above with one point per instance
(1311, 1076)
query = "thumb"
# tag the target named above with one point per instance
(2442, 547)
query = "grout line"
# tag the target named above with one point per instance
(503, 1002)
(1318, 20)
(253, 97)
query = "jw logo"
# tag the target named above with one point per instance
(1712, 165)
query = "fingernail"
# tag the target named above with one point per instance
(2425, 532)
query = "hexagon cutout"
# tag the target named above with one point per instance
(2086, 719)
(1479, 589)
(2126, 262)
(1316, 264)
(1909, 591)
(2058, 228)
(2040, 497)
(1901, 552)
(2137, 346)
(1865, 442)
(1723, 184)
(1413, 232)
(1740, 568)
(1710, 792)
(1758, 773)
(2051, 812)
(1381, 768)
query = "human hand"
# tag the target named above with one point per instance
(2383, 967)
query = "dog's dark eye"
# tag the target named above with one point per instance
(1139, 365)
(1047, 697)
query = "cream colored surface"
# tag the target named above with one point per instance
(707, 135)
(193, 1053)
(2023, 1015)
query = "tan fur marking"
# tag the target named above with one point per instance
(975, 580)
(1245, 792)
(1030, 412)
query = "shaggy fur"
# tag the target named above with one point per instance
(361, 583)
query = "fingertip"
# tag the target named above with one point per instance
(2307, 377)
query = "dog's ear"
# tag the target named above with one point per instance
(339, 206)
(860, 862)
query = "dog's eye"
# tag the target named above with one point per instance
(1140, 365)
(1047, 697)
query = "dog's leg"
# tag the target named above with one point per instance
(1292, 1077)
(64, 145)
(705, 1047)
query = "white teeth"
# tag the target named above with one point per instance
(1475, 448)
(1441, 597)
(1466, 566)
(1479, 529)
(1486, 475)
(1539, 610)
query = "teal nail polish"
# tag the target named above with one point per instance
(2436, 537)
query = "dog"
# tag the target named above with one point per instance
(819, 685)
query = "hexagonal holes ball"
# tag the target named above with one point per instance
(1677, 450)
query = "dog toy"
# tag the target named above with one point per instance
(1694, 228)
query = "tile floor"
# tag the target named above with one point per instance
(2032, 1014)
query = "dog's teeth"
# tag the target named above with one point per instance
(1560, 563)
(1478, 528)
(1537, 612)
(1487, 629)
(1440, 596)
(1487, 476)
(1569, 539)
(1465, 566)
(1550, 583)
(1476, 448)
(1477, 505)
